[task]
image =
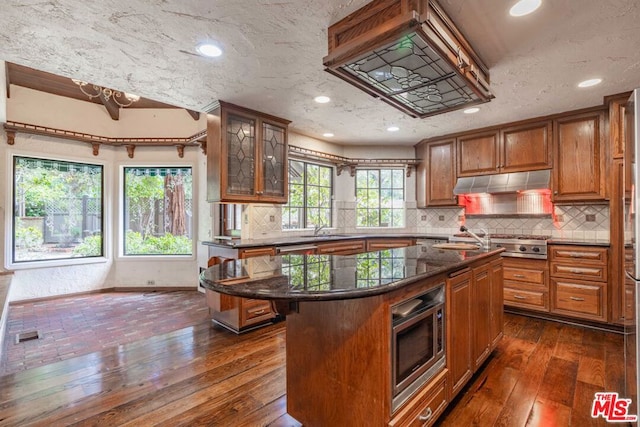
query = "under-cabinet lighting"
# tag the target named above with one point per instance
(471, 110)
(322, 99)
(393, 129)
(524, 7)
(327, 135)
(590, 82)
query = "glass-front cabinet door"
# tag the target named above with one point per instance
(246, 156)
(241, 155)
(274, 160)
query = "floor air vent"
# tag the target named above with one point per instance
(27, 336)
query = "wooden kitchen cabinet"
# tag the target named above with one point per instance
(477, 154)
(526, 147)
(246, 156)
(459, 336)
(381, 243)
(579, 161)
(579, 281)
(474, 320)
(343, 247)
(426, 406)
(526, 283)
(518, 148)
(486, 310)
(436, 174)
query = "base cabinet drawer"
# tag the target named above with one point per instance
(580, 272)
(426, 406)
(534, 277)
(255, 311)
(532, 300)
(580, 299)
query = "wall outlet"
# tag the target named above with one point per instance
(423, 218)
(560, 218)
(440, 217)
(272, 218)
(151, 282)
(590, 217)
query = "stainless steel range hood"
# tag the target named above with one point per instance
(504, 183)
(409, 54)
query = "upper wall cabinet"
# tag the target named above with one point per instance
(478, 154)
(579, 157)
(246, 156)
(519, 148)
(436, 175)
(526, 147)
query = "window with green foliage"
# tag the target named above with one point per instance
(310, 191)
(380, 198)
(57, 210)
(378, 268)
(158, 211)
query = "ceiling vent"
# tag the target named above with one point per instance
(409, 54)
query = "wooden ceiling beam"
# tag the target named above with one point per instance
(7, 81)
(112, 108)
(194, 114)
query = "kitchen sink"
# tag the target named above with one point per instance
(323, 236)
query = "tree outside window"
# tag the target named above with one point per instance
(57, 209)
(380, 198)
(310, 192)
(158, 210)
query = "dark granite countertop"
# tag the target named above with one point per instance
(334, 277)
(578, 242)
(296, 240)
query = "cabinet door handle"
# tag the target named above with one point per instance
(426, 415)
(576, 299)
(259, 311)
(519, 276)
(576, 271)
(519, 297)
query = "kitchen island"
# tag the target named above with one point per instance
(341, 339)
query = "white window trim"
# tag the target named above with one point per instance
(106, 214)
(119, 233)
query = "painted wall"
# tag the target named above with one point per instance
(116, 271)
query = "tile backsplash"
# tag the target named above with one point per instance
(567, 221)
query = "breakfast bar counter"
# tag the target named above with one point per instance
(383, 338)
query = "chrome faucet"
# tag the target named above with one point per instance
(316, 229)
(485, 242)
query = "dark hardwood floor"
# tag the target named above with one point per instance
(541, 374)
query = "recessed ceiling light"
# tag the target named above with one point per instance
(327, 135)
(524, 7)
(322, 99)
(590, 82)
(209, 50)
(393, 129)
(471, 110)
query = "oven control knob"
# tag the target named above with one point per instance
(536, 249)
(522, 249)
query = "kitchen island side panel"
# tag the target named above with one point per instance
(338, 362)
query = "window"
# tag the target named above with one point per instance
(310, 191)
(57, 210)
(380, 198)
(158, 211)
(230, 219)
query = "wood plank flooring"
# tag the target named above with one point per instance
(541, 374)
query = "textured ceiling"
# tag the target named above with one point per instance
(273, 52)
